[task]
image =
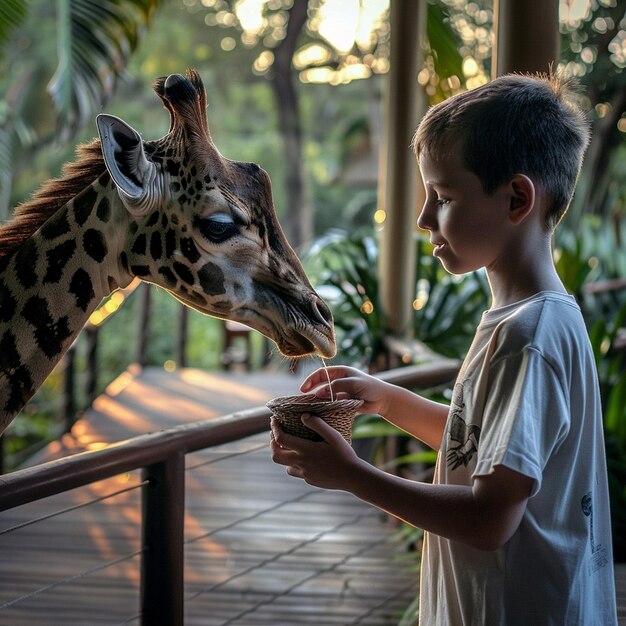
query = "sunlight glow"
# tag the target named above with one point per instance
(115, 301)
(250, 14)
(263, 62)
(120, 383)
(317, 75)
(313, 54)
(346, 22)
(227, 44)
(380, 216)
(354, 71)
(338, 23)
(572, 11)
(205, 380)
(470, 67)
(367, 308)
(372, 12)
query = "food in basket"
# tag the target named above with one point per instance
(339, 414)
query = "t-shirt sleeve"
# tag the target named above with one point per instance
(525, 418)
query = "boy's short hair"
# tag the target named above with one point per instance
(515, 124)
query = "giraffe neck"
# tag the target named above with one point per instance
(51, 284)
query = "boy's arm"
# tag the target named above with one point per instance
(483, 516)
(420, 417)
(417, 416)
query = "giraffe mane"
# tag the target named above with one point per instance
(52, 195)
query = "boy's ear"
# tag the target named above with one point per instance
(522, 198)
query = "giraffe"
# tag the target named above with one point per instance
(171, 211)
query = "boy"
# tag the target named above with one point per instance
(517, 518)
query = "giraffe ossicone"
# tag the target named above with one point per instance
(171, 211)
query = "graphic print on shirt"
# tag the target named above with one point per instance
(599, 558)
(463, 438)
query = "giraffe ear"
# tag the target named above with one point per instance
(125, 158)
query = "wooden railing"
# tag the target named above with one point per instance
(161, 458)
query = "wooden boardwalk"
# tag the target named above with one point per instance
(260, 547)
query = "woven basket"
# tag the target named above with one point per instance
(339, 414)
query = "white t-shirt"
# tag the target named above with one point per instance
(527, 398)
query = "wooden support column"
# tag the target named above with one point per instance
(163, 526)
(400, 187)
(527, 36)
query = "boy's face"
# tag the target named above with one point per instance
(469, 228)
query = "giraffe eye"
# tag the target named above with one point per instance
(217, 228)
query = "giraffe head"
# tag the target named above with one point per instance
(204, 227)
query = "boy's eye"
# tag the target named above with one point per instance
(442, 201)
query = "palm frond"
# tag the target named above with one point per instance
(96, 39)
(12, 14)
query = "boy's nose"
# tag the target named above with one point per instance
(424, 221)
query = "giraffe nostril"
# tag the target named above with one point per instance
(322, 312)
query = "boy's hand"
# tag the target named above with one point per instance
(327, 464)
(349, 382)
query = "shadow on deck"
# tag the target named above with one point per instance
(260, 547)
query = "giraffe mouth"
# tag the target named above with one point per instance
(300, 339)
(313, 342)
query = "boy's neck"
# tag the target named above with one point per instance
(523, 273)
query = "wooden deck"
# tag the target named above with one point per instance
(261, 547)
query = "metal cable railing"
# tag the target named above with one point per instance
(70, 579)
(69, 509)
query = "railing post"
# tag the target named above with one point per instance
(183, 328)
(162, 534)
(68, 410)
(143, 330)
(91, 335)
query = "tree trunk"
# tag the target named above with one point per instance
(298, 218)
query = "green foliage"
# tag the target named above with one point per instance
(611, 366)
(60, 63)
(616, 467)
(12, 14)
(589, 32)
(447, 309)
(590, 251)
(118, 336)
(95, 41)
(444, 43)
(343, 267)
